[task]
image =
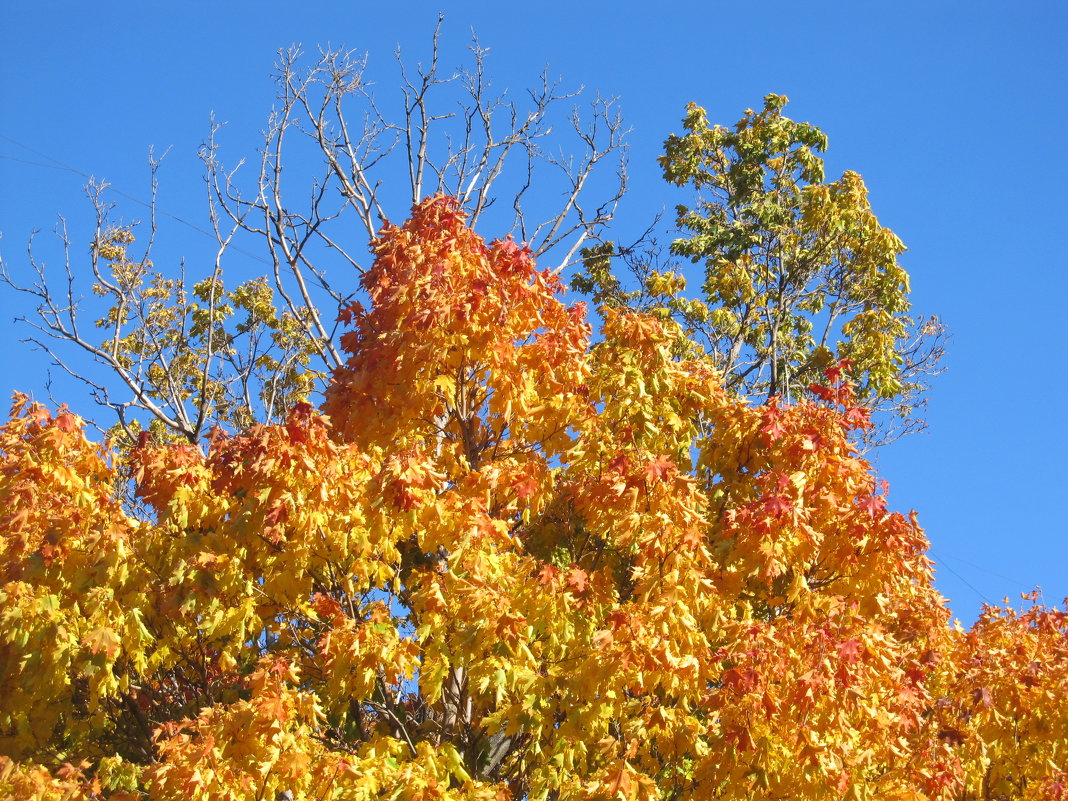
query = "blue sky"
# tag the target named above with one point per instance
(953, 111)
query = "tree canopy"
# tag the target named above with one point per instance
(179, 350)
(798, 273)
(505, 560)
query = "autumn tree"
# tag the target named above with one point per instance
(1005, 684)
(505, 560)
(798, 273)
(181, 350)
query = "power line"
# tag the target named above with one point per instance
(987, 570)
(55, 161)
(59, 165)
(963, 580)
(34, 163)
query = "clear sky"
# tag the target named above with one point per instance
(953, 111)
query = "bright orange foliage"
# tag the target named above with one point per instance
(502, 563)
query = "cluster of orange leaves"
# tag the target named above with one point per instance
(504, 561)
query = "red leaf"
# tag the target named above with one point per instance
(620, 782)
(547, 575)
(525, 487)
(66, 422)
(821, 392)
(776, 505)
(346, 313)
(661, 467)
(278, 513)
(873, 505)
(857, 417)
(741, 681)
(774, 429)
(849, 650)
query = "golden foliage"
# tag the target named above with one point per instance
(502, 563)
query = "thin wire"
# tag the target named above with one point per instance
(34, 163)
(963, 561)
(963, 580)
(59, 165)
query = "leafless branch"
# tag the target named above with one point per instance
(328, 174)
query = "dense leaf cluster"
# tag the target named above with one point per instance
(502, 562)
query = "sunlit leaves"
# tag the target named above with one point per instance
(796, 274)
(784, 251)
(198, 355)
(1003, 711)
(503, 564)
(466, 344)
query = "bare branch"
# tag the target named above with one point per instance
(327, 176)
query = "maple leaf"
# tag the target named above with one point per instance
(578, 579)
(874, 505)
(50, 553)
(660, 468)
(620, 782)
(525, 487)
(774, 427)
(740, 738)
(849, 650)
(822, 392)
(741, 681)
(843, 782)
(102, 640)
(69, 770)
(67, 422)
(327, 608)
(547, 574)
(983, 697)
(777, 505)
(347, 311)
(857, 417)
(693, 537)
(835, 372)
(277, 514)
